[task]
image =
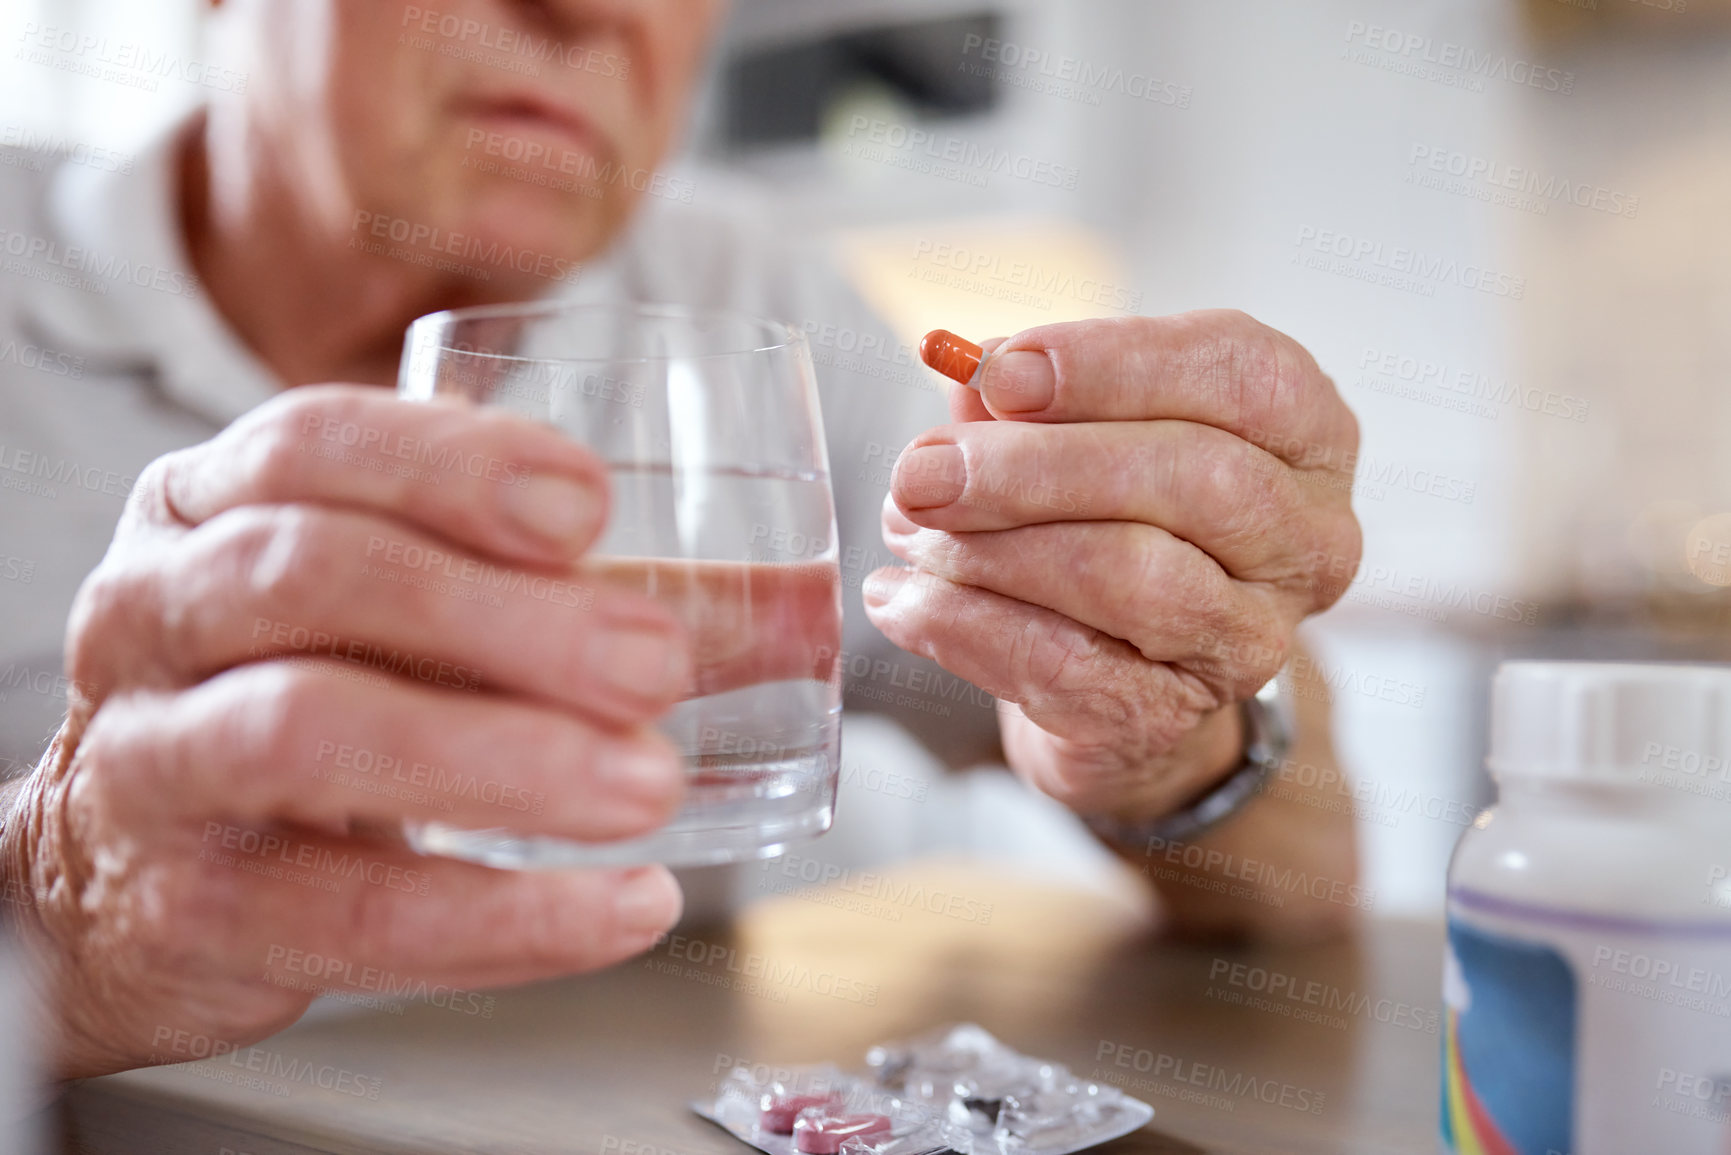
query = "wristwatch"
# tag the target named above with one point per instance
(1268, 728)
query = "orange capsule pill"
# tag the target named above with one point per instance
(955, 357)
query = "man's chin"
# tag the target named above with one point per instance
(535, 237)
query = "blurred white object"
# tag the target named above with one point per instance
(53, 46)
(1589, 966)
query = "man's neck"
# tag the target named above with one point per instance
(312, 306)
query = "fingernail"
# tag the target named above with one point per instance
(930, 476)
(647, 901)
(645, 662)
(897, 522)
(649, 771)
(555, 509)
(880, 588)
(1020, 382)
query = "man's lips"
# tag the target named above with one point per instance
(530, 112)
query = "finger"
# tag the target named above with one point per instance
(1136, 582)
(1217, 367)
(309, 743)
(486, 479)
(452, 923)
(966, 404)
(1219, 492)
(321, 913)
(748, 624)
(490, 928)
(1077, 682)
(266, 581)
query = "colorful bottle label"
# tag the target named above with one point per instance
(1571, 1033)
(1509, 1046)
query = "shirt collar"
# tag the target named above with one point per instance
(150, 307)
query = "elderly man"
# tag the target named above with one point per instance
(186, 317)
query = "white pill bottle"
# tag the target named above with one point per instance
(1587, 983)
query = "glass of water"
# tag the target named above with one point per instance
(721, 509)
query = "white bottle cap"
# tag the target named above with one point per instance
(1609, 721)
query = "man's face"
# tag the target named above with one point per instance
(530, 123)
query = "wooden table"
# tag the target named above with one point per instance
(602, 1065)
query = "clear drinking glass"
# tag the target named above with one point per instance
(721, 508)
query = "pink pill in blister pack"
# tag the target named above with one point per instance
(817, 1132)
(780, 1111)
(954, 1090)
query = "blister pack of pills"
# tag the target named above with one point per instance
(958, 1089)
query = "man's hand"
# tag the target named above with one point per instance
(295, 643)
(1117, 538)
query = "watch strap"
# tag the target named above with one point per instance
(1267, 737)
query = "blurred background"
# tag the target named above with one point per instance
(1502, 227)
